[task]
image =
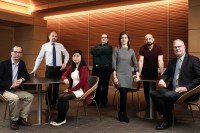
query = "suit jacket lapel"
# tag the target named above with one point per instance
(184, 64)
(19, 70)
(173, 67)
(10, 70)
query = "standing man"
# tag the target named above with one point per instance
(183, 72)
(151, 57)
(102, 60)
(53, 52)
(13, 73)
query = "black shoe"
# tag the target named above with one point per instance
(162, 126)
(14, 125)
(125, 118)
(120, 118)
(23, 122)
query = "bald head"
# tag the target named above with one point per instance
(53, 36)
(149, 39)
(179, 47)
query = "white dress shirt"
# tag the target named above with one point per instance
(75, 77)
(46, 51)
(15, 67)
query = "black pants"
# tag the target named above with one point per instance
(103, 72)
(53, 72)
(164, 100)
(149, 74)
(123, 99)
(63, 105)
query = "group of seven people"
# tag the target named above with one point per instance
(183, 74)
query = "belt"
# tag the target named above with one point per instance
(106, 65)
(53, 66)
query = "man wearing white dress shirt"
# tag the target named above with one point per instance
(53, 53)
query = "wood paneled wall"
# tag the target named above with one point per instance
(6, 40)
(166, 20)
(194, 28)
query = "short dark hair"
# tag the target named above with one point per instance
(16, 46)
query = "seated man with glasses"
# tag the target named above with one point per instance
(12, 73)
(183, 72)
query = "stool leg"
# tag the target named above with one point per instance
(191, 112)
(84, 108)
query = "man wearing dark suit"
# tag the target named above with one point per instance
(183, 72)
(12, 73)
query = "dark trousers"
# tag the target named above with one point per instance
(63, 105)
(103, 72)
(53, 72)
(123, 99)
(164, 100)
(149, 74)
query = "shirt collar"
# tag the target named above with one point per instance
(103, 44)
(182, 57)
(13, 63)
(52, 42)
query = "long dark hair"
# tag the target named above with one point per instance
(82, 63)
(119, 39)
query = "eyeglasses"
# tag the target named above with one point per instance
(17, 52)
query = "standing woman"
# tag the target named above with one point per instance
(76, 77)
(123, 59)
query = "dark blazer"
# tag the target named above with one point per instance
(189, 76)
(6, 74)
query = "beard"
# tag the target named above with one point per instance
(149, 44)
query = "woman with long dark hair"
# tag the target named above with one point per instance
(123, 60)
(76, 77)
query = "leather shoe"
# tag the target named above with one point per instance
(14, 125)
(162, 126)
(23, 122)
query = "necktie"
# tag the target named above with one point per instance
(54, 55)
(176, 74)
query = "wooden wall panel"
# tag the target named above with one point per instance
(166, 21)
(178, 23)
(6, 42)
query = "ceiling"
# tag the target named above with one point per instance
(54, 7)
(48, 7)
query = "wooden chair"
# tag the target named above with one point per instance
(93, 83)
(3, 99)
(135, 89)
(184, 99)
